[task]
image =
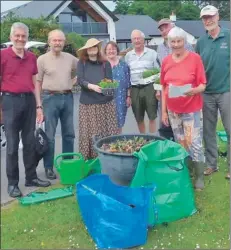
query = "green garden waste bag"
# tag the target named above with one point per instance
(163, 163)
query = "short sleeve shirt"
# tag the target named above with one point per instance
(16, 72)
(138, 64)
(56, 73)
(215, 54)
(189, 71)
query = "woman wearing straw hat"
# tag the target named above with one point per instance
(97, 112)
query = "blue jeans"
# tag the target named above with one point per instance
(58, 106)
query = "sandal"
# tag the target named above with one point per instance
(227, 177)
(209, 171)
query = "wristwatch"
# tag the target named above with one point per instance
(39, 107)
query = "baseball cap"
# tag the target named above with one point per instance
(164, 21)
(208, 10)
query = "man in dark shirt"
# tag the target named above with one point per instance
(18, 76)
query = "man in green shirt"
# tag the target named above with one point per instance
(214, 49)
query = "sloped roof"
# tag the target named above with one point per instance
(196, 27)
(127, 23)
(38, 8)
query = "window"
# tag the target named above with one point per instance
(76, 19)
(65, 18)
(122, 46)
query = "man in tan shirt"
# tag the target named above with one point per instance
(56, 76)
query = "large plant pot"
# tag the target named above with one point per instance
(120, 167)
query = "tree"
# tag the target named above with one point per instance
(162, 9)
(222, 5)
(189, 11)
(74, 42)
(137, 8)
(38, 31)
(122, 6)
(184, 10)
(38, 28)
(155, 9)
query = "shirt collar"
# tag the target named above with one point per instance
(165, 43)
(12, 53)
(145, 51)
(221, 33)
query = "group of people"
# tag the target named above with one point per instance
(41, 90)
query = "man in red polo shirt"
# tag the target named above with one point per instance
(18, 75)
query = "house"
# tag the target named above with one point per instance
(86, 17)
(91, 18)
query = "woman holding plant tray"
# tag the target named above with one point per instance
(97, 112)
(121, 74)
(183, 81)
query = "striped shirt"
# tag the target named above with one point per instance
(164, 50)
(138, 64)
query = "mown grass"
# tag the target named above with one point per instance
(58, 224)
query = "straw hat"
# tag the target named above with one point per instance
(89, 44)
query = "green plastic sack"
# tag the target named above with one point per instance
(38, 197)
(222, 135)
(163, 163)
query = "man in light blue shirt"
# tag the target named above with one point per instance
(163, 50)
(143, 95)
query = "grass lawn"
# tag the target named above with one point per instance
(58, 224)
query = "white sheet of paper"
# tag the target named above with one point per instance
(177, 91)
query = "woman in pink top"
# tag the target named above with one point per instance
(182, 106)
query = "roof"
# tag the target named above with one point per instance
(127, 23)
(35, 9)
(196, 27)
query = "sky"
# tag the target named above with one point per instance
(6, 5)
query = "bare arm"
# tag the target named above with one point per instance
(164, 106)
(164, 110)
(74, 70)
(37, 91)
(37, 79)
(163, 99)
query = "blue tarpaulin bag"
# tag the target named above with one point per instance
(115, 216)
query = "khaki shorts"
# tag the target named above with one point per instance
(144, 100)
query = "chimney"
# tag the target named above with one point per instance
(173, 17)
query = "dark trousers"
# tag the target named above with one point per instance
(19, 115)
(212, 104)
(164, 131)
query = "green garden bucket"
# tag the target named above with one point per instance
(71, 170)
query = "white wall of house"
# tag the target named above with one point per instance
(110, 22)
